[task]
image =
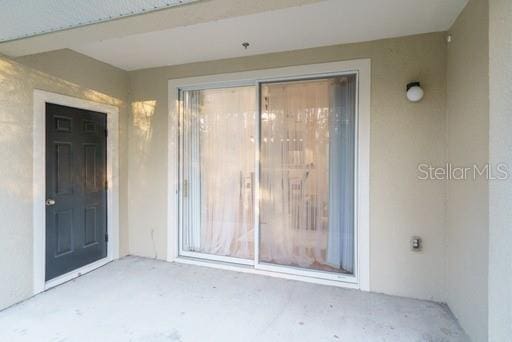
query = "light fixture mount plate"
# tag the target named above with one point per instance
(412, 84)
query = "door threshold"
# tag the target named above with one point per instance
(269, 273)
(76, 273)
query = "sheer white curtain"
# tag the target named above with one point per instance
(306, 172)
(218, 165)
(294, 172)
(191, 170)
(307, 163)
(340, 243)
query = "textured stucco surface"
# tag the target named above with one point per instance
(178, 302)
(403, 134)
(17, 83)
(467, 211)
(465, 226)
(500, 192)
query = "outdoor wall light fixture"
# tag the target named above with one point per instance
(414, 92)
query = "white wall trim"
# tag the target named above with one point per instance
(363, 69)
(39, 185)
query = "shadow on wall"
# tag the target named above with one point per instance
(15, 137)
(142, 130)
(143, 112)
(141, 135)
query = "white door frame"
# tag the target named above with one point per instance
(362, 231)
(42, 97)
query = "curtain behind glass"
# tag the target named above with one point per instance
(340, 242)
(307, 170)
(191, 170)
(218, 171)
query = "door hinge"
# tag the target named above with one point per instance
(106, 184)
(106, 133)
(106, 237)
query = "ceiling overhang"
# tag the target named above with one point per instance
(189, 13)
(206, 30)
(29, 18)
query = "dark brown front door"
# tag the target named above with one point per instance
(76, 205)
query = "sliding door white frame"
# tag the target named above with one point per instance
(361, 277)
(181, 250)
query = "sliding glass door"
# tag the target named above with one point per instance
(217, 169)
(301, 143)
(307, 174)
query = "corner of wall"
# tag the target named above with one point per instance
(500, 191)
(467, 145)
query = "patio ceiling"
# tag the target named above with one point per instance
(199, 11)
(26, 18)
(215, 29)
(319, 24)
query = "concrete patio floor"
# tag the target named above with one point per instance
(137, 299)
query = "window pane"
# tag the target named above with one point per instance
(307, 173)
(217, 154)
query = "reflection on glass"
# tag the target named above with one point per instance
(307, 173)
(217, 171)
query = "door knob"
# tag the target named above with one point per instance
(50, 202)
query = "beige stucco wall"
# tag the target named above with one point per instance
(467, 211)
(17, 83)
(457, 122)
(403, 134)
(500, 192)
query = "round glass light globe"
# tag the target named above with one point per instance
(415, 94)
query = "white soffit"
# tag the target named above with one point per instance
(26, 18)
(320, 24)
